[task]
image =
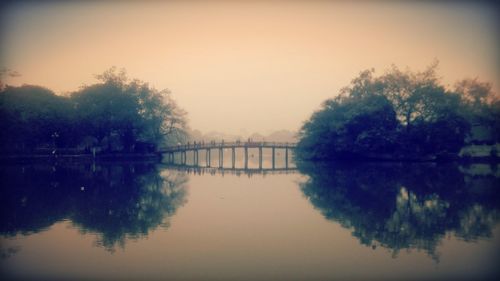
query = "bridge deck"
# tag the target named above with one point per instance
(219, 145)
(237, 171)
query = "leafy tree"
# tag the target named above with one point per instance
(105, 110)
(411, 94)
(115, 113)
(349, 127)
(32, 116)
(474, 92)
(400, 114)
(131, 110)
(481, 105)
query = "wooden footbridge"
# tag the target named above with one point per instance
(169, 153)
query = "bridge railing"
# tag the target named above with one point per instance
(223, 144)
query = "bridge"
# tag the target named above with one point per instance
(170, 151)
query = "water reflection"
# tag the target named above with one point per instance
(406, 206)
(115, 201)
(200, 170)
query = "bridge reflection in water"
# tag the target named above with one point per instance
(169, 153)
(199, 170)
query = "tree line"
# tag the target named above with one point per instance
(114, 115)
(401, 115)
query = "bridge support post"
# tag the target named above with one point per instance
(260, 157)
(274, 150)
(207, 158)
(246, 157)
(233, 157)
(221, 157)
(286, 157)
(195, 157)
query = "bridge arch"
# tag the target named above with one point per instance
(170, 151)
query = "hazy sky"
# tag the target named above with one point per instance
(253, 66)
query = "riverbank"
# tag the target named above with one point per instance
(474, 153)
(45, 158)
(373, 157)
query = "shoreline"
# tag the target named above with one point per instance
(157, 157)
(399, 159)
(82, 158)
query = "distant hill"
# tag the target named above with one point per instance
(281, 136)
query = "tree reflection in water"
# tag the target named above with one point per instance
(116, 201)
(406, 206)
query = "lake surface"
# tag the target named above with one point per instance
(136, 221)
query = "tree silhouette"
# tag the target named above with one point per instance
(114, 114)
(398, 115)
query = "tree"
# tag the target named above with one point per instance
(411, 94)
(349, 127)
(474, 92)
(31, 115)
(400, 114)
(481, 106)
(115, 113)
(129, 111)
(106, 110)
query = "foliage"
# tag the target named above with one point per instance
(400, 114)
(30, 115)
(355, 125)
(115, 114)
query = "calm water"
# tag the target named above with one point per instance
(321, 222)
